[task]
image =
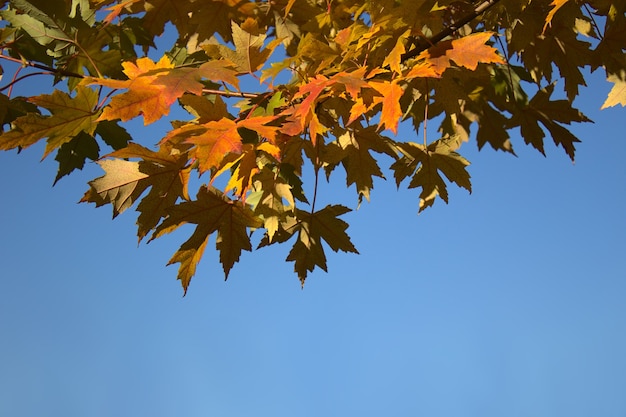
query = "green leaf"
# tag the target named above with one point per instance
(73, 154)
(113, 134)
(425, 166)
(353, 151)
(549, 113)
(313, 228)
(69, 117)
(164, 172)
(212, 212)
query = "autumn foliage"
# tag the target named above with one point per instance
(278, 94)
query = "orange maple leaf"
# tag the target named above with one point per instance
(142, 97)
(467, 52)
(391, 112)
(212, 140)
(154, 87)
(556, 5)
(305, 111)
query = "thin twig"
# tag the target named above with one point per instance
(427, 43)
(427, 97)
(18, 79)
(508, 66)
(58, 71)
(230, 93)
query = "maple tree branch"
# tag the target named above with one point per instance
(18, 79)
(593, 21)
(230, 93)
(65, 73)
(58, 71)
(427, 98)
(424, 44)
(508, 67)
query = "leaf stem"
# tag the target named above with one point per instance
(18, 79)
(427, 97)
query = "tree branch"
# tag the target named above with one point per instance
(225, 93)
(57, 71)
(427, 43)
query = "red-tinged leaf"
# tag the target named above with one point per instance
(69, 116)
(307, 252)
(154, 87)
(212, 212)
(391, 111)
(312, 90)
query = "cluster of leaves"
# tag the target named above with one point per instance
(355, 70)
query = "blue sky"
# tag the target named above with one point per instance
(506, 302)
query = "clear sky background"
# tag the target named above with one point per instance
(506, 302)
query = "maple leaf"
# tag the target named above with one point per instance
(211, 16)
(114, 11)
(391, 111)
(69, 116)
(164, 172)
(394, 59)
(143, 97)
(617, 95)
(352, 150)
(549, 113)
(556, 5)
(424, 165)
(313, 228)
(353, 63)
(73, 154)
(467, 52)
(305, 111)
(154, 87)
(212, 212)
(181, 80)
(214, 140)
(248, 55)
(268, 197)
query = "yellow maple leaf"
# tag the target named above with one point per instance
(143, 97)
(617, 95)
